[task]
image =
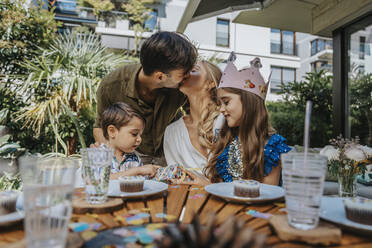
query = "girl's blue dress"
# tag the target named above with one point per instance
(230, 165)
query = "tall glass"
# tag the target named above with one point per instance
(48, 186)
(304, 183)
(96, 169)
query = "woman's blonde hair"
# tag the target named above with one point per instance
(253, 131)
(210, 112)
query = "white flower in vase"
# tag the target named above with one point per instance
(355, 152)
(330, 152)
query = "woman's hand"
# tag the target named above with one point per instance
(148, 170)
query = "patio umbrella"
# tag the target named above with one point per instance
(201, 9)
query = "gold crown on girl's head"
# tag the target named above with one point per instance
(248, 79)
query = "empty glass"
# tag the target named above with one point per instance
(96, 169)
(48, 185)
(303, 182)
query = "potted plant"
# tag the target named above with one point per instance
(346, 160)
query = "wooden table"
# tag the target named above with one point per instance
(173, 202)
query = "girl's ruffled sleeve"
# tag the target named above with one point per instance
(274, 147)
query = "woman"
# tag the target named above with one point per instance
(188, 140)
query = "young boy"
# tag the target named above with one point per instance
(122, 126)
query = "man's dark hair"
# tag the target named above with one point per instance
(119, 114)
(167, 51)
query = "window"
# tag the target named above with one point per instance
(362, 46)
(321, 65)
(281, 75)
(283, 42)
(319, 45)
(222, 35)
(150, 23)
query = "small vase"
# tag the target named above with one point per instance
(347, 185)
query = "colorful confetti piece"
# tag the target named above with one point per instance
(174, 186)
(197, 196)
(155, 226)
(194, 189)
(95, 226)
(257, 214)
(160, 215)
(134, 217)
(79, 226)
(88, 235)
(124, 232)
(145, 209)
(170, 217)
(136, 222)
(134, 211)
(145, 238)
(95, 216)
(131, 239)
(143, 215)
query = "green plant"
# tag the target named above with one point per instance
(360, 89)
(22, 32)
(287, 116)
(60, 88)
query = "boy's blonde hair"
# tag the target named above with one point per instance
(119, 114)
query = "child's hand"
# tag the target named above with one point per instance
(148, 170)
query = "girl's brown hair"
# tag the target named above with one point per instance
(253, 132)
(119, 114)
(210, 112)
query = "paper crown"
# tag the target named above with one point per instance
(248, 79)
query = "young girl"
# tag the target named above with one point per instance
(122, 127)
(246, 147)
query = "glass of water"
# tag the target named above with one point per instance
(48, 186)
(96, 169)
(303, 182)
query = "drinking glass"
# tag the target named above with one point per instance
(96, 169)
(48, 185)
(304, 183)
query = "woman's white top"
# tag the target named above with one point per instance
(178, 148)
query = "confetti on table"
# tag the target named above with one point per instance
(131, 239)
(136, 222)
(145, 238)
(88, 235)
(170, 217)
(197, 196)
(95, 226)
(124, 232)
(145, 209)
(160, 215)
(134, 211)
(143, 215)
(155, 226)
(257, 214)
(194, 189)
(174, 186)
(134, 217)
(79, 226)
(95, 216)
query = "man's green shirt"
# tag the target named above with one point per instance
(120, 86)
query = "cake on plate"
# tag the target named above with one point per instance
(8, 201)
(131, 183)
(246, 188)
(359, 210)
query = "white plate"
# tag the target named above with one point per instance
(333, 210)
(226, 191)
(12, 218)
(149, 188)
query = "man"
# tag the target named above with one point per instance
(150, 88)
